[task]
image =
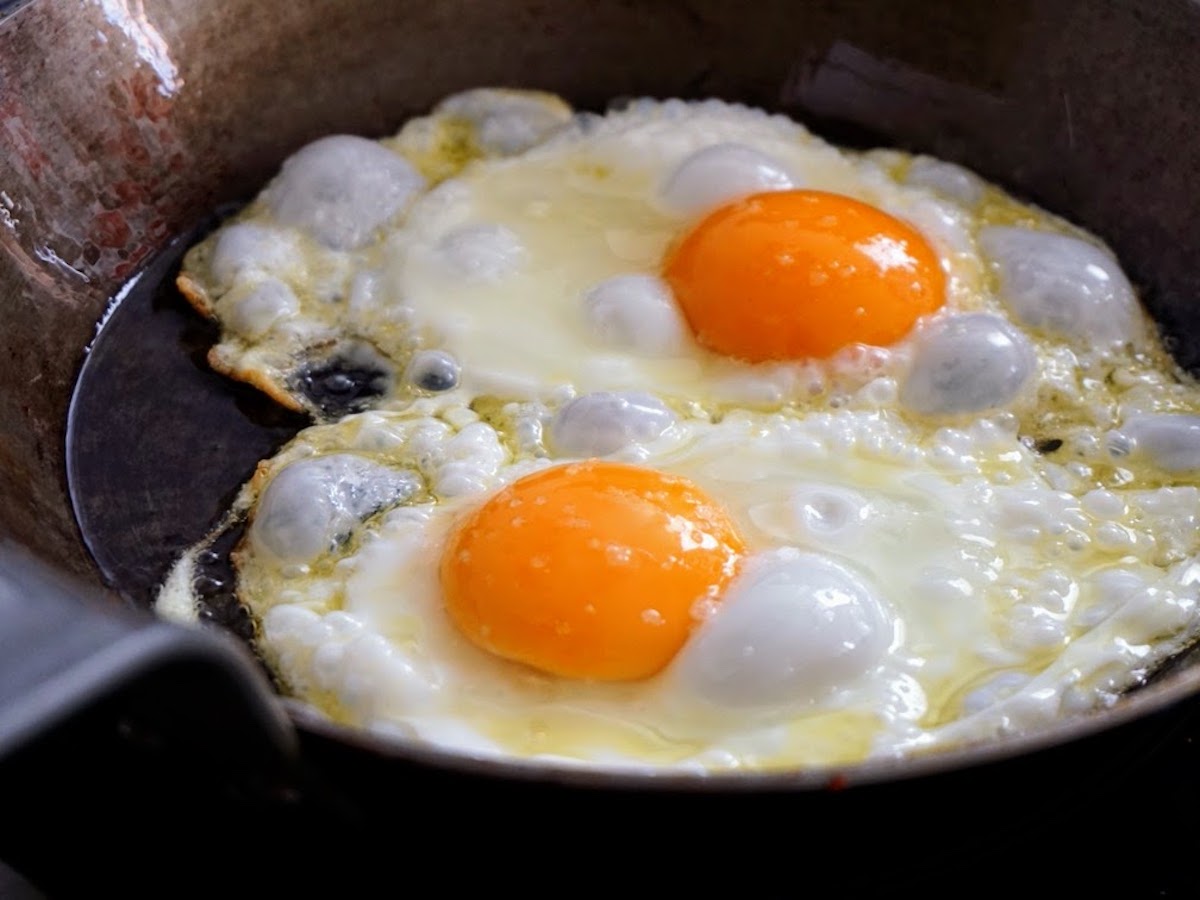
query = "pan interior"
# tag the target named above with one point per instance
(199, 437)
(158, 443)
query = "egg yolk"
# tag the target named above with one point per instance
(589, 570)
(798, 274)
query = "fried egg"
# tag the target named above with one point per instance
(514, 248)
(763, 591)
(679, 437)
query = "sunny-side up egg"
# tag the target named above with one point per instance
(707, 252)
(540, 265)
(763, 591)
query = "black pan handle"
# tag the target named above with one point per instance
(121, 732)
(65, 649)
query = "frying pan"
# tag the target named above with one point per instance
(127, 126)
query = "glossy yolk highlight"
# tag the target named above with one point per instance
(589, 570)
(797, 274)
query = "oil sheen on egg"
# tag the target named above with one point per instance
(695, 442)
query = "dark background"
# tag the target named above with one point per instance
(118, 802)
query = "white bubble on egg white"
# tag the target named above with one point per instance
(1027, 514)
(1169, 441)
(1032, 627)
(1176, 512)
(433, 371)
(636, 312)
(792, 626)
(946, 178)
(720, 173)
(481, 252)
(529, 426)
(948, 228)
(372, 307)
(1148, 616)
(602, 423)
(1103, 504)
(251, 310)
(341, 188)
(996, 689)
(466, 463)
(967, 363)
(247, 247)
(312, 504)
(820, 514)
(1062, 285)
(345, 657)
(508, 122)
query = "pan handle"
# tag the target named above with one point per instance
(65, 649)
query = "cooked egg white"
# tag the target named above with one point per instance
(924, 476)
(535, 266)
(897, 591)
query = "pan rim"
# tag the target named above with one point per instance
(1138, 705)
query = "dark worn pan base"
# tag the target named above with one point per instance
(157, 442)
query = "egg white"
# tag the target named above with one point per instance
(985, 583)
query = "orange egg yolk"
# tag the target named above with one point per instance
(589, 570)
(798, 274)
